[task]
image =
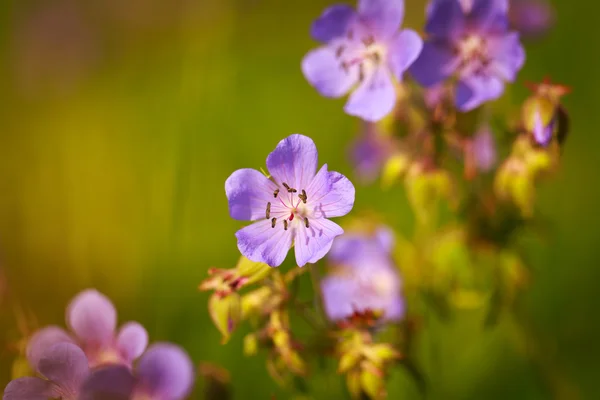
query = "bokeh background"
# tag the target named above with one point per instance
(121, 120)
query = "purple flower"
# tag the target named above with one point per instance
(484, 150)
(542, 132)
(364, 277)
(370, 152)
(164, 372)
(93, 319)
(363, 50)
(469, 40)
(291, 207)
(531, 18)
(64, 367)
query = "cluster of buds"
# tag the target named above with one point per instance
(265, 308)
(362, 360)
(225, 304)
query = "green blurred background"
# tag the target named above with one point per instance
(121, 120)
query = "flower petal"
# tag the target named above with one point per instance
(248, 192)
(132, 341)
(331, 194)
(508, 55)
(446, 19)
(66, 365)
(294, 161)
(261, 243)
(311, 244)
(92, 317)
(109, 383)
(333, 23)
(30, 388)
(165, 371)
(489, 15)
(435, 63)
(383, 17)
(404, 50)
(338, 293)
(323, 70)
(474, 91)
(374, 98)
(42, 340)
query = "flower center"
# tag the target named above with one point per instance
(288, 203)
(473, 53)
(359, 54)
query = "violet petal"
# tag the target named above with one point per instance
(248, 192)
(165, 371)
(92, 317)
(323, 70)
(332, 23)
(132, 340)
(294, 161)
(374, 98)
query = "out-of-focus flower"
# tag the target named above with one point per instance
(164, 372)
(531, 18)
(64, 367)
(542, 112)
(469, 40)
(363, 277)
(480, 153)
(93, 319)
(292, 207)
(370, 152)
(363, 49)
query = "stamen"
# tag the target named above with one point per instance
(289, 189)
(369, 40)
(303, 196)
(306, 222)
(285, 224)
(273, 222)
(350, 34)
(268, 210)
(339, 51)
(361, 72)
(345, 66)
(291, 216)
(275, 193)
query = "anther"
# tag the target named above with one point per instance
(369, 40)
(268, 210)
(361, 72)
(339, 51)
(273, 222)
(289, 189)
(285, 224)
(303, 196)
(275, 193)
(306, 222)
(350, 34)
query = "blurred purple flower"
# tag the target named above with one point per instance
(292, 207)
(469, 40)
(369, 153)
(164, 372)
(531, 18)
(542, 133)
(364, 277)
(363, 49)
(65, 368)
(93, 319)
(484, 150)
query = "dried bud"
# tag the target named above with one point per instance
(225, 313)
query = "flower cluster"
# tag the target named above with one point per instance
(95, 361)
(469, 175)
